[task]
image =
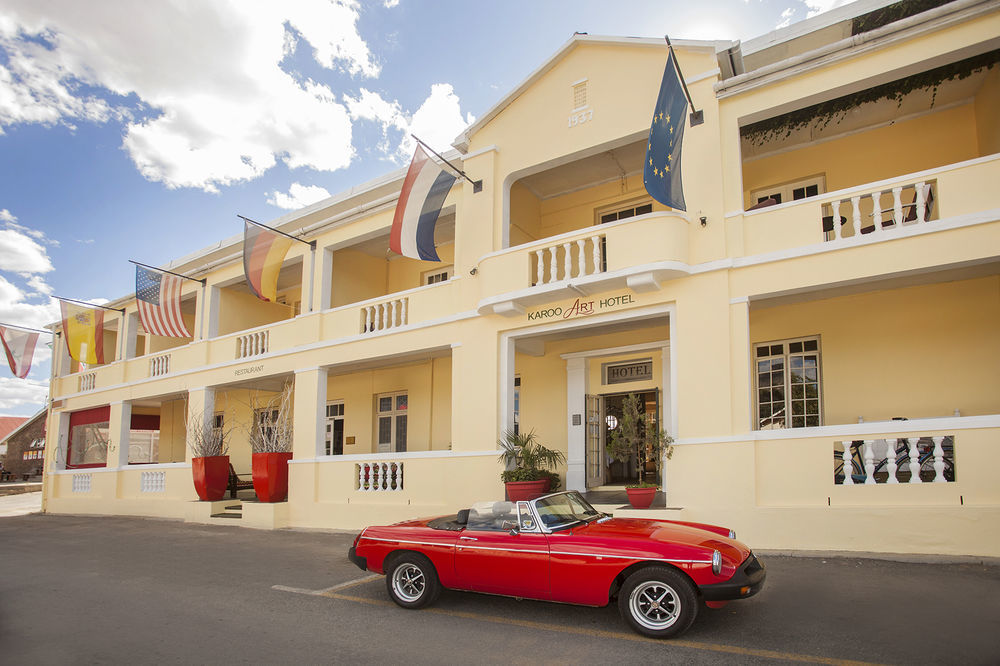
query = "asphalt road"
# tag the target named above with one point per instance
(82, 590)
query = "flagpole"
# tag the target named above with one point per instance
(311, 244)
(696, 117)
(163, 270)
(477, 185)
(89, 305)
(25, 328)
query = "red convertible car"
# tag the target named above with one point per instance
(560, 548)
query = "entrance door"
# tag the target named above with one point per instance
(595, 453)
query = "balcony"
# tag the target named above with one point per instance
(913, 204)
(638, 253)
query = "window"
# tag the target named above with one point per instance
(390, 421)
(88, 444)
(632, 210)
(794, 191)
(517, 405)
(219, 428)
(143, 446)
(437, 275)
(579, 95)
(788, 384)
(334, 437)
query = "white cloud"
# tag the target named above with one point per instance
(437, 122)
(298, 196)
(20, 253)
(439, 119)
(22, 397)
(218, 107)
(786, 18)
(820, 6)
(389, 4)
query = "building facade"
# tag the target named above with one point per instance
(829, 301)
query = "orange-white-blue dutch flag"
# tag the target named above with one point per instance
(19, 347)
(424, 190)
(263, 253)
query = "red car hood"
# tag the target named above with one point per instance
(664, 534)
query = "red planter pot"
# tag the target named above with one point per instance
(522, 491)
(211, 477)
(641, 498)
(270, 476)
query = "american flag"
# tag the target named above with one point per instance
(158, 296)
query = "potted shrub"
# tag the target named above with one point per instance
(638, 436)
(271, 444)
(209, 462)
(528, 466)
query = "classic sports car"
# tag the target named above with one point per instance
(560, 548)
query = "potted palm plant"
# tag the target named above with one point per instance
(637, 436)
(528, 465)
(209, 459)
(271, 444)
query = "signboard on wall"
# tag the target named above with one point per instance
(629, 371)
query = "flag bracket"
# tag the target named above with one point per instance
(311, 243)
(697, 117)
(89, 305)
(203, 281)
(477, 185)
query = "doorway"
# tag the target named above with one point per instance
(626, 472)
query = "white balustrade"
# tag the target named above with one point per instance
(252, 344)
(911, 204)
(81, 483)
(153, 482)
(159, 365)
(877, 461)
(88, 381)
(383, 316)
(571, 259)
(377, 477)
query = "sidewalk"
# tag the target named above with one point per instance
(21, 504)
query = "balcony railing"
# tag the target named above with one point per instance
(571, 259)
(895, 460)
(878, 212)
(374, 477)
(87, 382)
(159, 365)
(252, 344)
(382, 316)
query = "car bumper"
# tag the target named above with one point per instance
(746, 582)
(361, 562)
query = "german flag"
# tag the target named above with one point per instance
(263, 253)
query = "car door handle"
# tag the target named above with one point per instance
(465, 538)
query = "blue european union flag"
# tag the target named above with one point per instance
(662, 170)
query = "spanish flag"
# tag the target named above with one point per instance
(83, 329)
(263, 252)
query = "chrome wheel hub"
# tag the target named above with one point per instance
(408, 582)
(654, 605)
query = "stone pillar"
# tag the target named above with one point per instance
(323, 296)
(741, 365)
(309, 413)
(131, 335)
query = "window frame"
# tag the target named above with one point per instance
(786, 387)
(425, 277)
(786, 190)
(393, 415)
(329, 422)
(621, 207)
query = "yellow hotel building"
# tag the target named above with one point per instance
(834, 284)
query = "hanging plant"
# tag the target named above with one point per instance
(892, 13)
(835, 110)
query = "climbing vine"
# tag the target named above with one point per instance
(891, 13)
(834, 110)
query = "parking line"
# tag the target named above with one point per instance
(325, 591)
(332, 593)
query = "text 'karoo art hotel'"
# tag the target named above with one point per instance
(812, 312)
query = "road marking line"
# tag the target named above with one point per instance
(328, 590)
(599, 633)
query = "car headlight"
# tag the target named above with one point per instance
(732, 534)
(716, 563)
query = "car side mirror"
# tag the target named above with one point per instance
(514, 531)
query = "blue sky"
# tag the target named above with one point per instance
(139, 130)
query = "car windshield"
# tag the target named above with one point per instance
(565, 510)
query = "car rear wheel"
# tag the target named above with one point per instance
(658, 602)
(412, 581)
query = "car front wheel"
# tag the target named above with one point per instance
(412, 581)
(658, 602)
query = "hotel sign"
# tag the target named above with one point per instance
(581, 308)
(631, 371)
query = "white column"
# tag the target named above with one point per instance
(576, 433)
(308, 300)
(214, 296)
(131, 335)
(119, 425)
(201, 410)
(326, 281)
(506, 390)
(309, 412)
(62, 444)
